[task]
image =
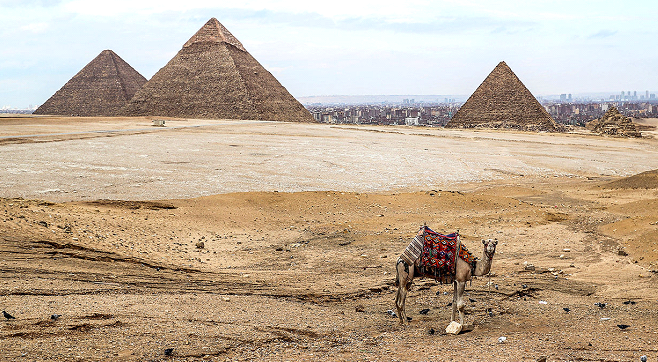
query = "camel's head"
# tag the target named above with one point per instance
(490, 247)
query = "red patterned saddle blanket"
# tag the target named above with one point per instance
(434, 253)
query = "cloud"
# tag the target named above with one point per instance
(35, 28)
(29, 3)
(603, 34)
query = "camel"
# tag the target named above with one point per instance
(463, 273)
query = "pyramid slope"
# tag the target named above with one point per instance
(502, 101)
(102, 88)
(213, 76)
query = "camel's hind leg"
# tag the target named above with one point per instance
(404, 276)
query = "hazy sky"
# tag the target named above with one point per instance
(344, 47)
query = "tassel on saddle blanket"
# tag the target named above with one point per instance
(435, 254)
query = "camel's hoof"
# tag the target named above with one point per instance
(453, 328)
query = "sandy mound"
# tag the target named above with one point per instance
(644, 180)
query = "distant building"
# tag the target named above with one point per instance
(411, 121)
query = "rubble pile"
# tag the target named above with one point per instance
(615, 124)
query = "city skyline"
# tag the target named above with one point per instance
(344, 48)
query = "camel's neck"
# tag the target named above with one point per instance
(483, 266)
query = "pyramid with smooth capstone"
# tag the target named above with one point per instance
(214, 77)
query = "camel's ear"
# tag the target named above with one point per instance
(495, 242)
(484, 242)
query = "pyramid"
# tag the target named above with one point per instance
(502, 101)
(213, 76)
(101, 88)
(615, 124)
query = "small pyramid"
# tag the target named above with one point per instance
(614, 123)
(213, 76)
(101, 88)
(502, 101)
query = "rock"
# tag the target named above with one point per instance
(432, 331)
(168, 351)
(7, 315)
(631, 302)
(622, 252)
(566, 309)
(226, 299)
(623, 326)
(424, 311)
(391, 313)
(359, 308)
(55, 317)
(542, 359)
(530, 267)
(43, 223)
(454, 328)
(600, 305)
(200, 245)
(502, 339)
(643, 359)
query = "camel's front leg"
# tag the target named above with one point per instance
(454, 301)
(459, 293)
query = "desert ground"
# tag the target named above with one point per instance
(248, 240)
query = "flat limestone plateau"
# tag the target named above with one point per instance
(61, 159)
(147, 264)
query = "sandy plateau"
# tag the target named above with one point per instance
(235, 240)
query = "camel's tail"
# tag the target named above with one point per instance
(397, 273)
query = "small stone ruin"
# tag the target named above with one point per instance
(614, 124)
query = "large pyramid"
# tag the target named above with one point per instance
(214, 76)
(502, 101)
(101, 88)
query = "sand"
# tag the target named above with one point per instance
(275, 241)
